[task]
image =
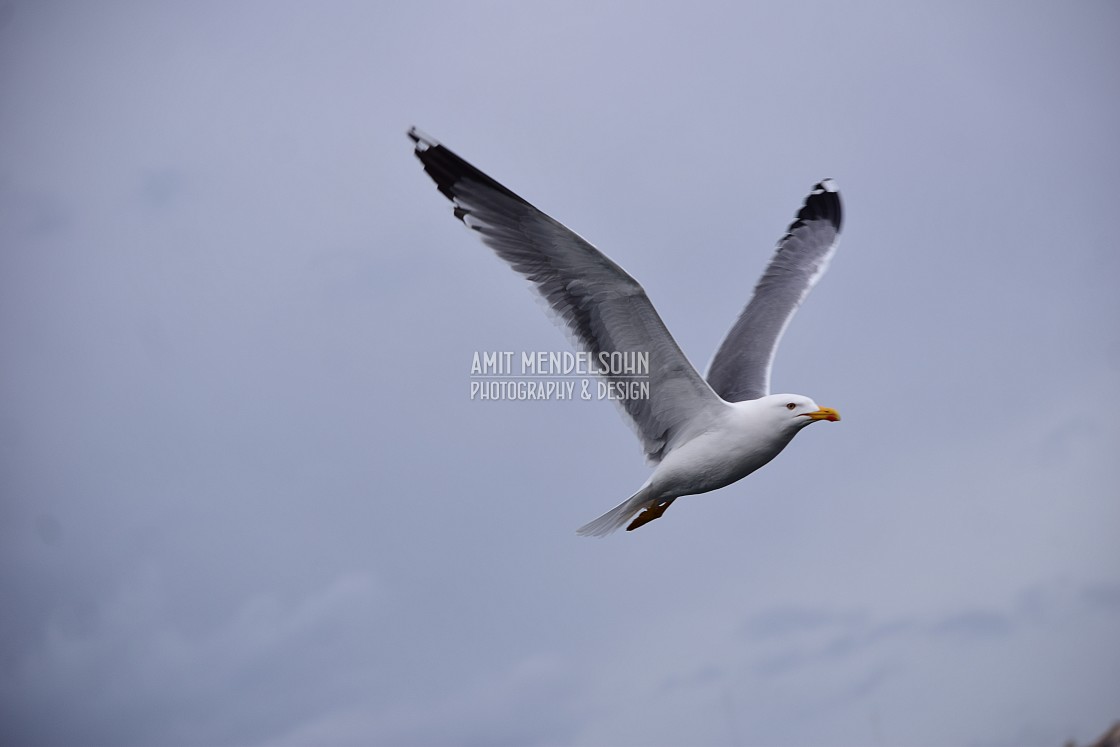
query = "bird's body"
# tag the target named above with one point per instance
(736, 445)
(701, 434)
(737, 441)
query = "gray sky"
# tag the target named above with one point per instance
(246, 498)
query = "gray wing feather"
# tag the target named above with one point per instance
(602, 306)
(740, 369)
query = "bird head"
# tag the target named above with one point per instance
(799, 411)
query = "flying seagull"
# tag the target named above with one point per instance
(701, 434)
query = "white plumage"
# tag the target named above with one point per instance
(701, 434)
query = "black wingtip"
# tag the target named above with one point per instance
(448, 169)
(823, 203)
(423, 142)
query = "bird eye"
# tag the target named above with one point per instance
(790, 406)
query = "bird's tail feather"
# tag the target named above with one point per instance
(617, 516)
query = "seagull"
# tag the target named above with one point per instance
(700, 434)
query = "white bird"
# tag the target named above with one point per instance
(701, 435)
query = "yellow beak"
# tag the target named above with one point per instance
(825, 413)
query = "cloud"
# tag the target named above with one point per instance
(973, 624)
(134, 675)
(786, 620)
(1102, 598)
(161, 187)
(534, 702)
(30, 215)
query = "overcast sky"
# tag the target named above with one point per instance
(247, 500)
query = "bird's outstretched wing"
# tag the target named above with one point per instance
(604, 308)
(740, 369)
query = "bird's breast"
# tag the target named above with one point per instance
(716, 459)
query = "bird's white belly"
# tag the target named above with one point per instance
(712, 461)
